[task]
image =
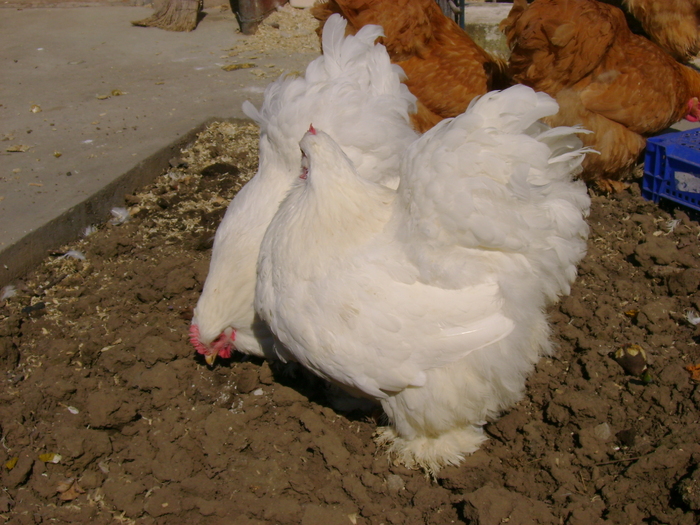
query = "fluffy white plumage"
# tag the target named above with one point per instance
(431, 299)
(353, 92)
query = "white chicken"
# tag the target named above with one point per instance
(430, 299)
(356, 94)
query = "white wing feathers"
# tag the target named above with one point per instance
(496, 179)
(393, 333)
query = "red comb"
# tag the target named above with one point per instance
(312, 130)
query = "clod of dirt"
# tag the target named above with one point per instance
(490, 505)
(627, 437)
(689, 490)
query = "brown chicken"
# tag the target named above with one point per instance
(672, 24)
(445, 69)
(617, 84)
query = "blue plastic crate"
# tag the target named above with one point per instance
(672, 169)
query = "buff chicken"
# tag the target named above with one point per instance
(672, 24)
(619, 85)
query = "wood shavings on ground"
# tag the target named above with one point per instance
(287, 30)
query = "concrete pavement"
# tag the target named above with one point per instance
(89, 105)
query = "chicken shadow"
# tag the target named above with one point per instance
(295, 376)
(324, 393)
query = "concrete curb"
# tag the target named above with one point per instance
(22, 256)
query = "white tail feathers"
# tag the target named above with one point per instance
(252, 112)
(513, 110)
(340, 51)
(497, 178)
(354, 93)
(333, 35)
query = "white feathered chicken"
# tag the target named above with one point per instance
(431, 299)
(356, 94)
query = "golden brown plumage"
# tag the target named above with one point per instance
(445, 69)
(619, 85)
(672, 24)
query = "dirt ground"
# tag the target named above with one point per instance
(108, 416)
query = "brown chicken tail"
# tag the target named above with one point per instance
(498, 74)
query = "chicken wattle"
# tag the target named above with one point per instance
(222, 346)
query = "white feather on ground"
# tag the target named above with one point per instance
(73, 254)
(119, 216)
(8, 291)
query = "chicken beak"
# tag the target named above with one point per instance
(210, 358)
